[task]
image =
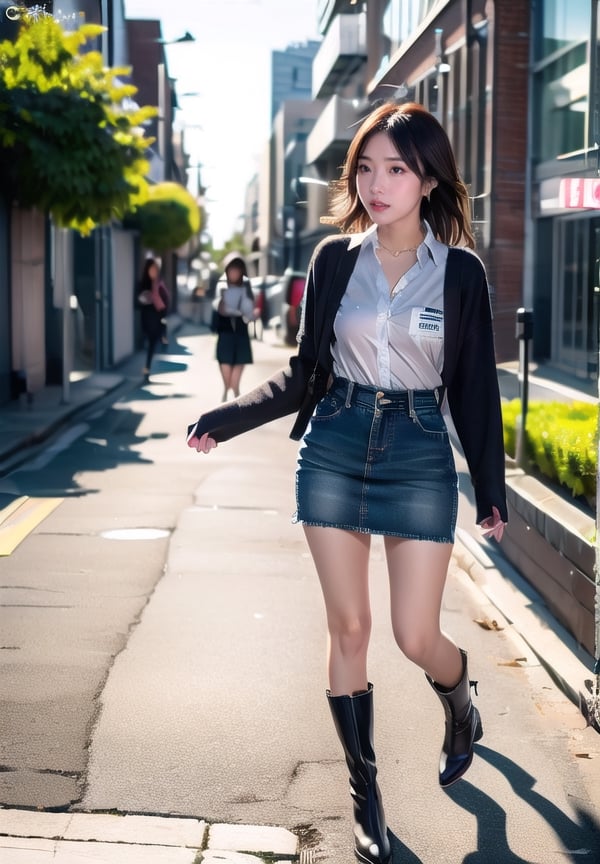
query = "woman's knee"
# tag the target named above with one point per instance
(416, 645)
(350, 635)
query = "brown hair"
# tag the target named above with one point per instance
(423, 144)
(145, 281)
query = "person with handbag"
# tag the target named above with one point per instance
(396, 330)
(234, 308)
(153, 299)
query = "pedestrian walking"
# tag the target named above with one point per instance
(396, 330)
(153, 298)
(233, 310)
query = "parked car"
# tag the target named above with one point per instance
(279, 299)
(293, 284)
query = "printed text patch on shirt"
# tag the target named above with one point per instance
(426, 322)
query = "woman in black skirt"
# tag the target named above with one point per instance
(234, 308)
(153, 299)
(396, 324)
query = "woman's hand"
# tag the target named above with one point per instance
(203, 444)
(493, 526)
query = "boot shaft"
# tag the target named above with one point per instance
(463, 726)
(456, 701)
(353, 721)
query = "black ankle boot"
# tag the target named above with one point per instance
(353, 719)
(463, 726)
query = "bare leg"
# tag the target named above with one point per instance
(342, 559)
(226, 372)
(417, 571)
(234, 383)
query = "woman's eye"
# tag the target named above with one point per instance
(363, 169)
(397, 169)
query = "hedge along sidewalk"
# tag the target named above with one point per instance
(561, 441)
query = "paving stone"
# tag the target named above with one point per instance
(20, 850)
(32, 823)
(230, 857)
(252, 838)
(23, 850)
(149, 830)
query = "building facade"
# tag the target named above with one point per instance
(291, 74)
(517, 87)
(563, 242)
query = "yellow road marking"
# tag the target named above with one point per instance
(20, 517)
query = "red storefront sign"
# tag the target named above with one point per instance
(581, 193)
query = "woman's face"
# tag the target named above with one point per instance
(234, 273)
(388, 189)
(153, 271)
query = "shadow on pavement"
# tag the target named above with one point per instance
(401, 853)
(578, 838)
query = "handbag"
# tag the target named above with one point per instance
(214, 321)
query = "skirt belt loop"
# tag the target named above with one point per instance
(349, 394)
(411, 403)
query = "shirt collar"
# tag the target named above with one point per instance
(429, 247)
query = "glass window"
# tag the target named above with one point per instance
(576, 333)
(560, 23)
(402, 18)
(561, 78)
(561, 105)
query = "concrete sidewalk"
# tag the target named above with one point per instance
(27, 837)
(31, 837)
(26, 423)
(74, 838)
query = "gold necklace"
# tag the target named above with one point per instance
(396, 252)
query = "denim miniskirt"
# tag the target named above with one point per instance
(379, 462)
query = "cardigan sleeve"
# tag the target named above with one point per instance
(280, 395)
(474, 398)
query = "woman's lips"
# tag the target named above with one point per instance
(378, 206)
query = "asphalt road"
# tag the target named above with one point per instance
(163, 652)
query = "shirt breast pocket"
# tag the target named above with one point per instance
(426, 322)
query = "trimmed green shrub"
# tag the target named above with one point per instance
(169, 218)
(561, 441)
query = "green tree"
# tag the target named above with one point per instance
(71, 138)
(168, 218)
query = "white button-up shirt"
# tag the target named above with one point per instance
(393, 340)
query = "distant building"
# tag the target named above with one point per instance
(291, 74)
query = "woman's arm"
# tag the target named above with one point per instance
(277, 397)
(474, 396)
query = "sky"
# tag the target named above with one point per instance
(227, 124)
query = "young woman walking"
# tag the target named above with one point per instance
(396, 324)
(234, 308)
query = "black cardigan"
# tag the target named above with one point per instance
(469, 371)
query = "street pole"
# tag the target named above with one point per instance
(61, 277)
(524, 333)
